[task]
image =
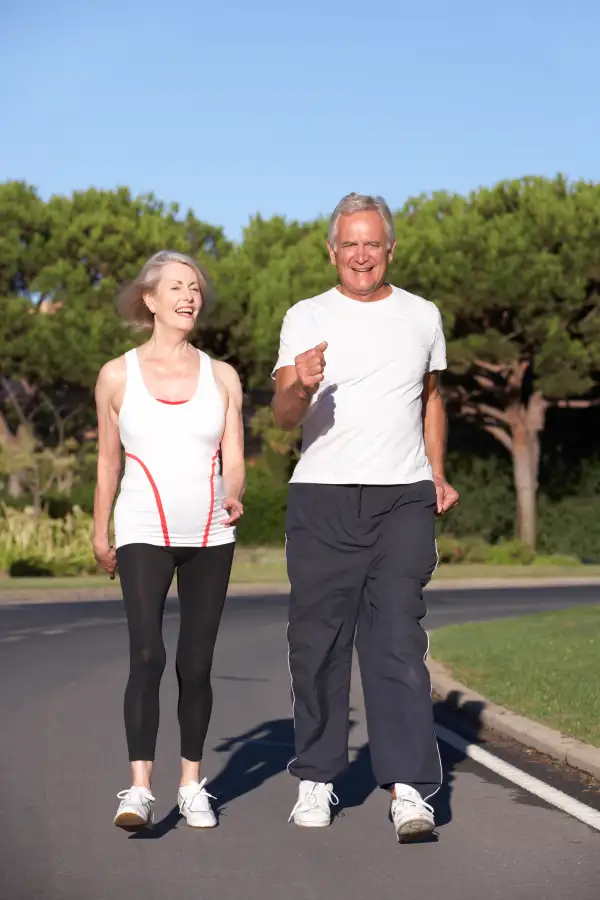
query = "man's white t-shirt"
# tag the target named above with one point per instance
(364, 425)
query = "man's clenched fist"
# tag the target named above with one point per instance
(310, 367)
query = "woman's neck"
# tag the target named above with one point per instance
(167, 343)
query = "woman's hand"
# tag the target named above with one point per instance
(106, 556)
(234, 508)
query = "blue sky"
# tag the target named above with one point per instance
(246, 106)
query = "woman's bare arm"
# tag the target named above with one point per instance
(232, 442)
(109, 385)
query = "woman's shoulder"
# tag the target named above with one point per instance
(225, 372)
(228, 381)
(113, 373)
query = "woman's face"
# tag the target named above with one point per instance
(177, 299)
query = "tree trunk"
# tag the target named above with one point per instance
(527, 423)
(525, 476)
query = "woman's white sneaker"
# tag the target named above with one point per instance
(136, 808)
(194, 805)
(411, 815)
(313, 809)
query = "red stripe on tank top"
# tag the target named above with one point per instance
(172, 402)
(161, 511)
(212, 499)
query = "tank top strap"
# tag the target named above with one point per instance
(208, 380)
(135, 382)
(207, 375)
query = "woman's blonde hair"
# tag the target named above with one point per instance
(131, 299)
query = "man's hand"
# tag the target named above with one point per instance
(106, 556)
(447, 497)
(234, 508)
(310, 367)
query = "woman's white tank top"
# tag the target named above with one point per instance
(172, 491)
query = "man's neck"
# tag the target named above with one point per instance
(379, 293)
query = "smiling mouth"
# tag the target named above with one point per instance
(185, 311)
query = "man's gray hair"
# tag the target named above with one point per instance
(353, 203)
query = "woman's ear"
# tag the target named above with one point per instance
(149, 301)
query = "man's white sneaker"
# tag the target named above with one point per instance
(194, 805)
(313, 809)
(412, 817)
(136, 808)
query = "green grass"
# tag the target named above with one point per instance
(266, 565)
(543, 666)
(535, 570)
(81, 582)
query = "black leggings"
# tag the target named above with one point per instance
(146, 574)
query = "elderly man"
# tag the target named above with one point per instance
(358, 369)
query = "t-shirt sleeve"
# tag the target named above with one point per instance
(437, 348)
(293, 339)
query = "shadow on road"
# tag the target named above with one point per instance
(258, 754)
(265, 750)
(468, 722)
(168, 823)
(357, 783)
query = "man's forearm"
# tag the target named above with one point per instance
(434, 431)
(290, 405)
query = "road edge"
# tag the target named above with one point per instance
(246, 589)
(526, 731)
(112, 593)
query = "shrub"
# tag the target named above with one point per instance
(476, 550)
(29, 566)
(487, 499)
(570, 526)
(58, 506)
(450, 550)
(82, 496)
(265, 505)
(510, 553)
(36, 544)
(558, 560)
(472, 549)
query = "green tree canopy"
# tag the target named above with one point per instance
(516, 272)
(61, 265)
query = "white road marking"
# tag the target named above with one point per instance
(53, 631)
(544, 791)
(11, 638)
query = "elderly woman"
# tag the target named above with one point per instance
(177, 414)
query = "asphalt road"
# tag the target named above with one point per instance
(63, 669)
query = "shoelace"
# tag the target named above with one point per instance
(416, 804)
(134, 794)
(312, 797)
(201, 792)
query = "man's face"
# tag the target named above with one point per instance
(361, 253)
